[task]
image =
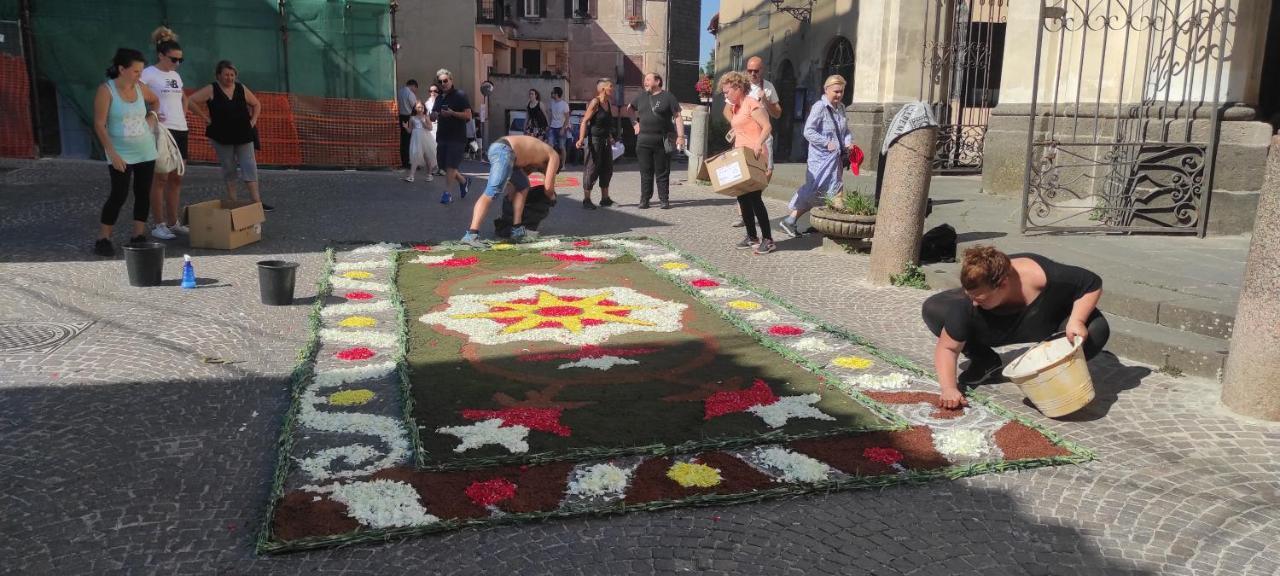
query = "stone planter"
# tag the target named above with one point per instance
(840, 226)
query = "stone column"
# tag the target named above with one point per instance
(905, 195)
(698, 141)
(1251, 385)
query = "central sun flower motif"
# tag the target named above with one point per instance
(550, 310)
(546, 313)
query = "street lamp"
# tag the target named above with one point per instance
(801, 14)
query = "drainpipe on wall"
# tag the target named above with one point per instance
(29, 53)
(284, 41)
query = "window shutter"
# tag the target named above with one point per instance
(542, 8)
(520, 9)
(568, 9)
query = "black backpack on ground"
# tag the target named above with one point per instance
(536, 208)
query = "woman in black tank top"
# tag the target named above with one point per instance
(596, 137)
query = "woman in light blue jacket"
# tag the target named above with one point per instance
(829, 143)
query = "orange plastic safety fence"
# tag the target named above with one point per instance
(16, 138)
(342, 132)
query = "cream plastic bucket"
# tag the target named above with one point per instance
(1054, 376)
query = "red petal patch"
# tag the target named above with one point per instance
(886, 456)
(358, 296)
(582, 243)
(785, 330)
(422, 247)
(722, 403)
(490, 492)
(354, 354)
(532, 281)
(705, 283)
(456, 262)
(540, 419)
(573, 257)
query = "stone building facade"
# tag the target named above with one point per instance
(1102, 65)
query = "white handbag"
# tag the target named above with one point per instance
(168, 157)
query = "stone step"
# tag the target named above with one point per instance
(1191, 353)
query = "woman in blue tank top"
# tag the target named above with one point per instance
(125, 129)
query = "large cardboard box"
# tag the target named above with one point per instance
(224, 224)
(736, 172)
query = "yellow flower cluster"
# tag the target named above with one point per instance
(358, 322)
(351, 397)
(357, 275)
(675, 266)
(744, 305)
(852, 362)
(694, 475)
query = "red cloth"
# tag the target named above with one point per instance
(855, 159)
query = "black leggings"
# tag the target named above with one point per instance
(142, 173)
(981, 341)
(654, 163)
(752, 206)
(599, 163)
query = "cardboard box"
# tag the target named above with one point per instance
(736, 172)
(224, 224)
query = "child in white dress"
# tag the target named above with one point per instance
(422, 146)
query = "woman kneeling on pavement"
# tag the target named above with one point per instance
(829, 141)
(751, 128)
(1009, 299)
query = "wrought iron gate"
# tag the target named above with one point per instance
(1128, 139)
(963, 58)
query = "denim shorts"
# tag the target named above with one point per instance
(502, 169)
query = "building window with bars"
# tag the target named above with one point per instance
(578, 9)
(735, 57)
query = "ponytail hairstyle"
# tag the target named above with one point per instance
(124, 58)
(165, 40)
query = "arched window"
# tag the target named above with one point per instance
(839, 60)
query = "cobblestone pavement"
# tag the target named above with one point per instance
(146, 444)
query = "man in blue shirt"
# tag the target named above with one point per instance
(453, 113)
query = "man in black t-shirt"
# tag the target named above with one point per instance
(656, 110)
(453, 112)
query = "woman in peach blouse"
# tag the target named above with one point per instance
(750, 124)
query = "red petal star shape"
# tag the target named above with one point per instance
(540, 419)
(722, 403)
(456, 262)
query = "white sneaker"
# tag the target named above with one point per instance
(162, 232)
(179, 228)
(430, 177)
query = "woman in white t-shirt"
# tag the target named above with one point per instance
(164, 80)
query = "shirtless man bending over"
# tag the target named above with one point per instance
(511, 160)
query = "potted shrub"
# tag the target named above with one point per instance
(849, 215)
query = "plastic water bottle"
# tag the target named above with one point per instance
(188, 272)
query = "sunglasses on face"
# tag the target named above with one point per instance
(750, 71)
(174, 60)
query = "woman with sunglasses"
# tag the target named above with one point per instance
(163, 79)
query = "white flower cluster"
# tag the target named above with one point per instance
(811, 344)
(777, 414)
(542, 245)
(340, 376)
(619, 242)
(347, 308)
(663, 257)
(432, 258)
(383, 504)
(360, 337)
(361, 265)
(351, 284)
(318, 465)
(962, 443)
(600, 480)
(686, 272)
(764, 316)
(604, 254)
(793, 467)
(389, 430)
(380, 248)
(723, 292)
(892, 381)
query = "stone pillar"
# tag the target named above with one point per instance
(1251, 385)
(698, 141)
(905, 195)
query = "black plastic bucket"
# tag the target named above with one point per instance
(275, 282)
(145, 261)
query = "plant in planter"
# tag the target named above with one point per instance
(848, 216)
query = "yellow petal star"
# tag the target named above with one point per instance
(569, 314)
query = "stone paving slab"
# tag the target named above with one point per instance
(125, 453)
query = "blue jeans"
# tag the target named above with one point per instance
(502, 169)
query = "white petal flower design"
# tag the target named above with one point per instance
(687, 273)
(547, 313)
(602, 254)
(725, 292)
(361, 265)
(892, 381)
(962, 443)
(764, 316)
(793, 466)
(432, 258)
(777, 414)
(663, 257)
(491, 431)
(600, 480)
(341, 376)
(542, 245)
(361, 337)
(348, 308)
(380, 248)
(811, 344)
(319, 464)
(599, 363)
(350, 284)
(621, 243)
(383, 504)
